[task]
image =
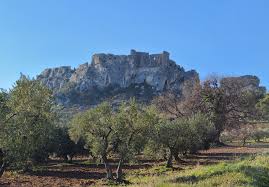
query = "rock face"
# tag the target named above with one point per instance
(139, 74)
(247, 82)
(56, 78)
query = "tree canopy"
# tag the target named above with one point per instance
(30, 113)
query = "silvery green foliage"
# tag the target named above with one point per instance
(30, 123)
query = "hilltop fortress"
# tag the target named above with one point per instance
(140, 69)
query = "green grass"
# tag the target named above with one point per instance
(252, 171)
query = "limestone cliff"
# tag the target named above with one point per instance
(116, 77)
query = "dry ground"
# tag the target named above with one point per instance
(59, 174)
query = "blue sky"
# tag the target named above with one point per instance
(229, 37)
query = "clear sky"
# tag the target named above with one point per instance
(229, 37)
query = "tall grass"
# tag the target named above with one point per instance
(252, 171)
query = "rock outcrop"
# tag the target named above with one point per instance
(56, 78)
(139, 74)
(246, 82)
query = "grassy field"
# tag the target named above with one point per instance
(232, 165)
(252, 171)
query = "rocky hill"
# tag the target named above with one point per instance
(118, 77)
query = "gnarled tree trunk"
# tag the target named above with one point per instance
(179, 160)
(108, 168)
(119, 173)
(2, 163)
(169, 163)
(2, 169)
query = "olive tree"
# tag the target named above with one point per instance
(26, 134)
(182, 136)
(131, 129)
(95, 126)
(202, 133)
(122, 133)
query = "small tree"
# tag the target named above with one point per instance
(202, 132)
(96, 127)
(172, 135)
(131, 130)
(123, 133)
(26, 134)
(182, 136)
